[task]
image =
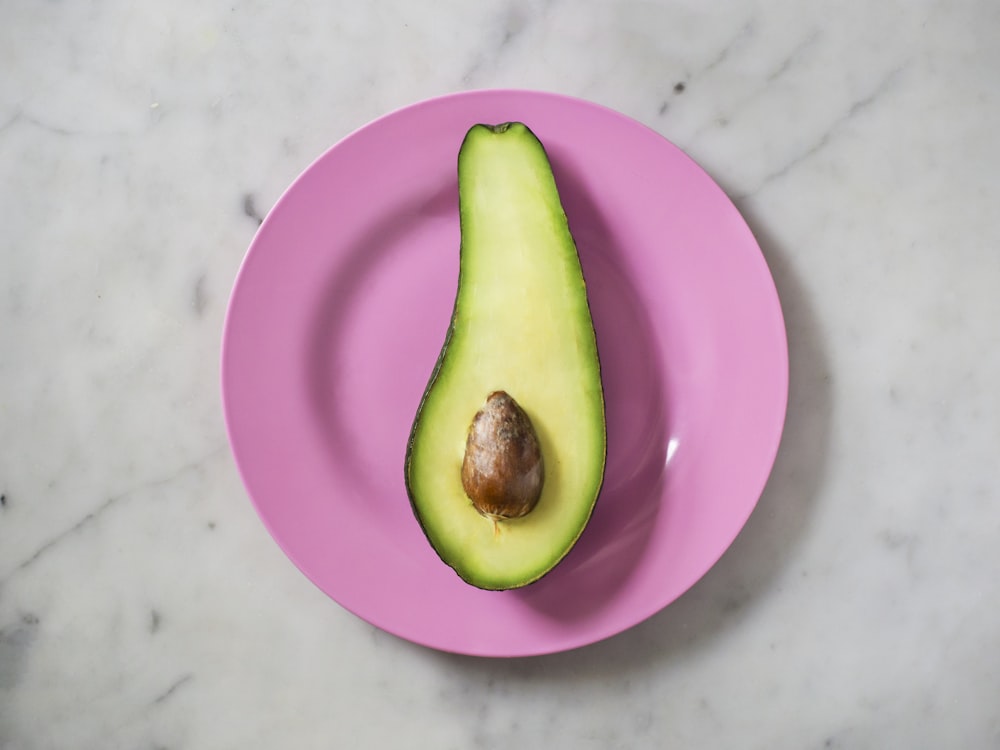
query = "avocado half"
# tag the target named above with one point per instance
(521, 325)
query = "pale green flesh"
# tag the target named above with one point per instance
(521, 324)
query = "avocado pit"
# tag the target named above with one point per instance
(503, 470)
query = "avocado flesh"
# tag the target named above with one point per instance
(521, 324)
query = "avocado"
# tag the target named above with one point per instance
(506, 456)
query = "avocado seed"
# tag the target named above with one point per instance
(502, 472)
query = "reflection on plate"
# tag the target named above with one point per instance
(339, 312)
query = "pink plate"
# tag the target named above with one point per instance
(341, 306)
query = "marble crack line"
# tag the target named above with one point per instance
(20, 116)
(789, 62)
(793, 57)
(14, 118)
(514, 26)
(101, 509)
(56, 129)
(177, 685)
(745, 32)
(885, 85)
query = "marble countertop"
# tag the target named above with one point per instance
(144, 606)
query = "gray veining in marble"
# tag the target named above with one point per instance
(143, 605)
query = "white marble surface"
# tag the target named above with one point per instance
(143, 605)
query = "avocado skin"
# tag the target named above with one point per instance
(466, 575)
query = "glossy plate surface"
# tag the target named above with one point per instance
(341, 306)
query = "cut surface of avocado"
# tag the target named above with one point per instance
(521, 325)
